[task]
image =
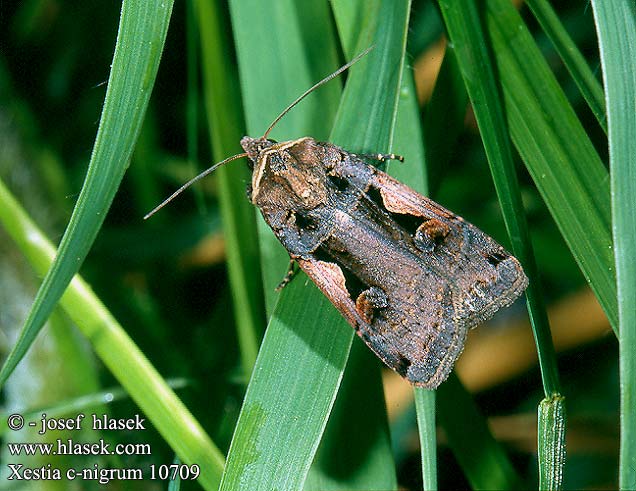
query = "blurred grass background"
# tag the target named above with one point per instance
(166, 280)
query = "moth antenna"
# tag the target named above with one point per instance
(192, 181)
(314, 87)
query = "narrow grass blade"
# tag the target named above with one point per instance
(306, 344)
(425, 405)
(118, 352)
(359, 415)
(572, 58)
(192, 95)
(472, 47)
(464, 424)
(175, 484)
(142, 32)
(223, 107)
(551, 443)
(616, 26)
(556, 150)
(375, 127)
(408, 139)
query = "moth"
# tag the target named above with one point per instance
(409, 276)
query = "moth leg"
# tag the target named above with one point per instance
(291, 271)
(381, 157)
(369, 301)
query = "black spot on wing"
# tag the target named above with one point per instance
(340, 183)
(402, 365)
(305, 222)
(495, 258)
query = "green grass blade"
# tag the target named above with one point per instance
(142, 32)
(118, 352)
(365, 461)
(358, 416)
(192, 95)
(464, 27)
(466, 426)
(306, 344)
(556, 151)
(551, 442)
(223, 107)
(572, 58)
(408, 139)
(278, 430)
(425, 405)
(175, 484)
(616, 26)
(373, 128)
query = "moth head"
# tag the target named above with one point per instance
(254, 147)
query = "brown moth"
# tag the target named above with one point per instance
(410, 276)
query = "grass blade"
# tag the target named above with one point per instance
(557, 152)
(355, 451)
(358, 416)
(472, 47)
(118, 352)
(306, 344)
(425, 405)
(142, 32)
(616, 26)
(278, 431)
(572, 58)
(443, 121)
(408, 140)
(551, 443)
(279, 59)
(464, 26)
(409, 143)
